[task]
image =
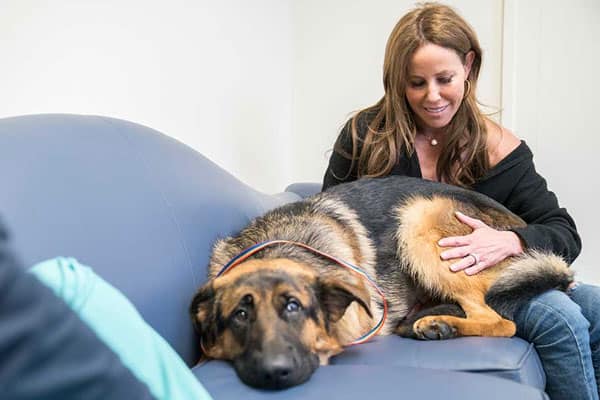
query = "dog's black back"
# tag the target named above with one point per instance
(374, 199)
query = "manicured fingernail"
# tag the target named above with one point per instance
(454, 267)
(443, 256)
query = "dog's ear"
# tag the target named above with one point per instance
(204, 318)
(336, 295)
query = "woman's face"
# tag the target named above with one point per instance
(436, 85)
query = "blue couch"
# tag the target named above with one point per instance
(143, 210)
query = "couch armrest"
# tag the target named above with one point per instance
(304, 189)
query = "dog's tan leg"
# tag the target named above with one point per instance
(481, 320)
(423, 222)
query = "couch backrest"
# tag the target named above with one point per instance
(139, 207)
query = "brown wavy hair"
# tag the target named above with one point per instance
(391, 127)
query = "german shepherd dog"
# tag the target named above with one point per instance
(288, 308)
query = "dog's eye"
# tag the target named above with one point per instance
(292, 305)
(241, 315)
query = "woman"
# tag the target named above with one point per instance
(428, 125)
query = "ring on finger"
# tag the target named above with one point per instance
(475, 258)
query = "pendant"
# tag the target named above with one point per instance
(433, 142)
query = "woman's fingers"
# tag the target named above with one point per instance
(465, 262)
(472, 222)
(481, 249)
(471, 264)
(476, 268)
(455, 252)
(453, 241)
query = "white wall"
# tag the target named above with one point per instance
(214, 74)
(552, 99)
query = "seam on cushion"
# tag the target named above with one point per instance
(526, 355)
(161, 193)
(519, 366)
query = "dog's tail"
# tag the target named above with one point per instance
(526, 277)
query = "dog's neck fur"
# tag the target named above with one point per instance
(344, 238)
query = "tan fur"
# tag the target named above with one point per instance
(356, 322)
(422, 223)
(225, 348)
(363, 249)
(316, 338)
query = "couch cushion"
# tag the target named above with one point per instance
(511, 358)
(304, 189)
(359, 382)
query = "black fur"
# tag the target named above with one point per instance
(506, 297)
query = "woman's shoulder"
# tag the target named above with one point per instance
(362, 119)
(500, 142)
(357, 122)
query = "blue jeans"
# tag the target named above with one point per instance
(565, 330)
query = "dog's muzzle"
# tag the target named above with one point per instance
(277, 366)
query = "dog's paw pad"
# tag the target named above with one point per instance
(434, 329)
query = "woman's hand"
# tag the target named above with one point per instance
(481, 249)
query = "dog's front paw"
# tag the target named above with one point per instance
(434, 328)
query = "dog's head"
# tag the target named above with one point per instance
(274, 319)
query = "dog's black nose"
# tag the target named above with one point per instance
(277, 371)
(276, 367)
